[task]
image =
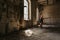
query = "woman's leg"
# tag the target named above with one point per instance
(40, 25)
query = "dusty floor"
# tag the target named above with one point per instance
(38, 34)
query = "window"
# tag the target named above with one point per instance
(25, 10)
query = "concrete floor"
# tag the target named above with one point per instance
(38, 34)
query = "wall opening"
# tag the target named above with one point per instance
(26, 10)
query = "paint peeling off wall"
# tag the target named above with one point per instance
(52, 14)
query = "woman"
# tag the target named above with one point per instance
(40, 21)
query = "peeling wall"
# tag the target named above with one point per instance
(51, 14)
(9, 15)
